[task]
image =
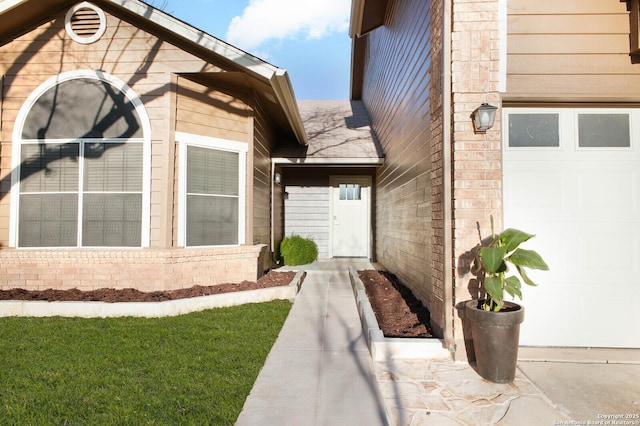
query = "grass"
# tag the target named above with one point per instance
(190, 370)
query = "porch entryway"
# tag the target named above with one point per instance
(326, 187)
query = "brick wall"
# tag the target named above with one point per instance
(145, 270)
(477, 158)
(437, 303)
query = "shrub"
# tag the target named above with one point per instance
(296, 250)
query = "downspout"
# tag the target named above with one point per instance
(447, 191)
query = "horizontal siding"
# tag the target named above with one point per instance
(397, 92)
(586, 44)
(570, 63)
(306, 213)
(567, 24)
(263, 141)
(206, 112)
(575, 50)
(546, 7)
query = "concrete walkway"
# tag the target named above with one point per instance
(320, 372)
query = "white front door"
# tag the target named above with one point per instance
(350, 216)
(572, 177)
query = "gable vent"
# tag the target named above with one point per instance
(85, 23)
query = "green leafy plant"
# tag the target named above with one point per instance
(493, 261)
(296, 250)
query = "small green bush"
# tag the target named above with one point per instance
(296, 250)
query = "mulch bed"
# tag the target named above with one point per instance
(271, 279)
(398, 311)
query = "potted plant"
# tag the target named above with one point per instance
(495, 323)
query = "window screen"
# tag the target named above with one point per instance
(111, 220)
(113, 167)
(48, 220)
(212, 197)
(49, 167)
(534, 130)
(604, 131)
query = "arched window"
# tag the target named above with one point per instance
(81, 165)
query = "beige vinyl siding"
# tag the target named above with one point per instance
(398, 92)
(306, 213)
(203, 111)
(571, 50)
(263, 141)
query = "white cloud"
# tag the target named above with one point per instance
(265, 20)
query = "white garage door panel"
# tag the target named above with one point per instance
(544, 194)
(611, 263)
(607, 190)
(583, 205)
(590, 321)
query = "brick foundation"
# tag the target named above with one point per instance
(145, 270)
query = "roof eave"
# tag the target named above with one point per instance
(276, 77)
(342, 161)
(192, 34)
(283, 90)
(366, 16)
(6, 5)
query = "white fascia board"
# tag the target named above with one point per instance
(373, 161)
(6, 5)
(283, 89)
(277, 77)
(240, 57)
(357, 12)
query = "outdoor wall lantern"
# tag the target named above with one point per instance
(277, 178)
(484, 117)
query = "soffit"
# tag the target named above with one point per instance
(243, 87)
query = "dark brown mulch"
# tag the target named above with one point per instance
(271, 279)
(398, 311)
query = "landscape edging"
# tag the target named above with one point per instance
(94, 309)
(384, 348)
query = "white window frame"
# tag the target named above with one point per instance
(633, 118)
(17, 143)
(568, 128)
(241, 148)
(562, 128)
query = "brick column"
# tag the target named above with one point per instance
(477, 158)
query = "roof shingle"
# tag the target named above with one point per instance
(338, 131)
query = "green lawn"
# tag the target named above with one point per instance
(195, 369)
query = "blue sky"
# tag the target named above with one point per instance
(308, 39)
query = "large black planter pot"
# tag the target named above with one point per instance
(495, 340)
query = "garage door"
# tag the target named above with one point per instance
(572, 177)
